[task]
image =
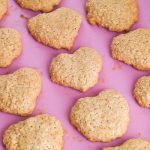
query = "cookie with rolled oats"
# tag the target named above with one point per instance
(39, 5)
(142, 91)
(10, 46)
(104, 117)
(79, 70)
(116, 15)
(133, 48)
(3, 8)
(132, 144)
(19, 91)
(57, 29)
(42, 132)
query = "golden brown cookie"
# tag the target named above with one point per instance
(57, 29)
(133, 48)
(38, 5)
(10, 46)
(132, 144)
(42, 132)
(142, 91)
(3, 8)
(116, 15)
(19, 91)
(79, 70)
(104, 117)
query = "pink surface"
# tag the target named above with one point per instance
(57, 100)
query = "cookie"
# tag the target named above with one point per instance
(38, 5)
(19, 91)
(132, 144)
(79, 70)
(57, 29)
(3, 8)
(142, 91)
(104, 117)
(133, 48)
(118, 15)
(10, 46)
(42, 132)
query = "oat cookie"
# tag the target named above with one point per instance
(116, 15)
(38, 5)
(19, 91)
(10, 46)
(133, 48)
(104, 117)
(42, 132)
(3, 8)
(79, 70)
(132, 144)
(57, 29)
(142, 91)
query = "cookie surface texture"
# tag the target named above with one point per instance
(133, 48)
(116, 15)
(19, 91)
(57, 29)
(10, 46)
(132, 144)
(104, 117)
(3, 8)
(38, 5)
(142, 91)
(42, 132)
(79, 70)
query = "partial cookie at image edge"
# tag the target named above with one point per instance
(46, 133)
(141, 91)
(132, 144)
(10, 45)
(3, 8)
(36, 5)
(132, 48)
(106, 14)
(19, 91)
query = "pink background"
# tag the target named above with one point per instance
(57, 100)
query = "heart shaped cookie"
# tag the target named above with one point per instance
(38, 5)
(104, 117)
(10, 46)
(116, 15)
(79, 70)
(57, 29)
(132, 144)
(19, 91)
(3, 7)
(133, 48)
(42, 132)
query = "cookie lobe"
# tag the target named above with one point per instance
(104, 117)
